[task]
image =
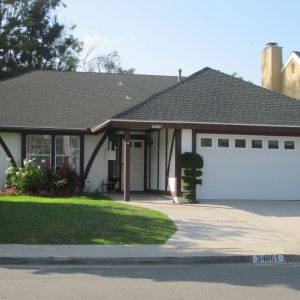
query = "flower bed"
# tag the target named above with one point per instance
(39, 179)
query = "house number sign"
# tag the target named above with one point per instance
(268, 259)
(156, 126)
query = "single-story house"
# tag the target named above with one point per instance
(134, 127)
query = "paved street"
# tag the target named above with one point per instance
(239, 281)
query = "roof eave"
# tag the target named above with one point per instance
(209, 127)
(50, 130)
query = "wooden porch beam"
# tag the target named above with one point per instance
(127, 165)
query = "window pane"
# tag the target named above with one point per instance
(273, 144)
(223, 143)
(240, 143)
(289, 145)
(205, 142)
(38, 147)
(257, 144)
(67, 149)
(137, 144)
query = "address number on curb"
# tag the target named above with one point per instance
(268, 259)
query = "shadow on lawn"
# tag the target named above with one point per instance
(97, 222)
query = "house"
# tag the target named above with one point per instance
(134, 127)
(281, 78)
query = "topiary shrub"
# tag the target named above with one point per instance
(192, 163)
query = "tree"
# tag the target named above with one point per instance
(109, 63)
(31, 38)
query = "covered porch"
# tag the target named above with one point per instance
(141, 159)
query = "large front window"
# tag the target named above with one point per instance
(66, 148)
(39, 147)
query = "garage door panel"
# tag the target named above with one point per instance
(248, 173)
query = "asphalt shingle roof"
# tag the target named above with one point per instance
(49, 99)
(53, 99)
(214, 97)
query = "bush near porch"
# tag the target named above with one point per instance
(79, 220)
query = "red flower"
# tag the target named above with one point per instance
(65, 181)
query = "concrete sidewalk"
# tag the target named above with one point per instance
(214, 231)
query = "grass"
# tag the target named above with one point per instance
(79, 220)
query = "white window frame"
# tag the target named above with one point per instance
(38, 155)
(70, 156)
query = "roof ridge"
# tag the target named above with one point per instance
(162, 92)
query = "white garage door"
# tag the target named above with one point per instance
(249, 167)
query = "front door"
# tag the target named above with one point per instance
(136, 165)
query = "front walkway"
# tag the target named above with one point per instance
(229, 227)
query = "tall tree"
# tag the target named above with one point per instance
(31, 38)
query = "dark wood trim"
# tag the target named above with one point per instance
(120, 162)
(194, 146)
(158, 158)
(53, 151)
(127, 165)
(166, 160)
(145, 161)
(61, 131)
(7, 151)
(94, 154)
(150, 161)
(177, 162)
(82, 143)
(23, 147)
(170, 154)
(109, 162)
(214, 128)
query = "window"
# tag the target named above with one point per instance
(137, 144)
(257, 144)
(223, 143)
(289, 145)
(206, 142)
(272, 144)
(39, 147)
(67, 148)
(240, 143)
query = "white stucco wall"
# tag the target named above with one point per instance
(186, 140)
(154, 156)
(248, 173)
(99, 169)
(171, 179)
(13, 142)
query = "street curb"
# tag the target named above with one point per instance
(288, 258)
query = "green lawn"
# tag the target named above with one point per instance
(79, 220)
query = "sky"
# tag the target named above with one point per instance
(162, 36)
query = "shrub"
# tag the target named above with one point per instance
(192, 163)
(28, 179)
(42, 180)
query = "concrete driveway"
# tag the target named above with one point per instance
(230, 227)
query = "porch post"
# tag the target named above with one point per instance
(127, 165)
(178, 150)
